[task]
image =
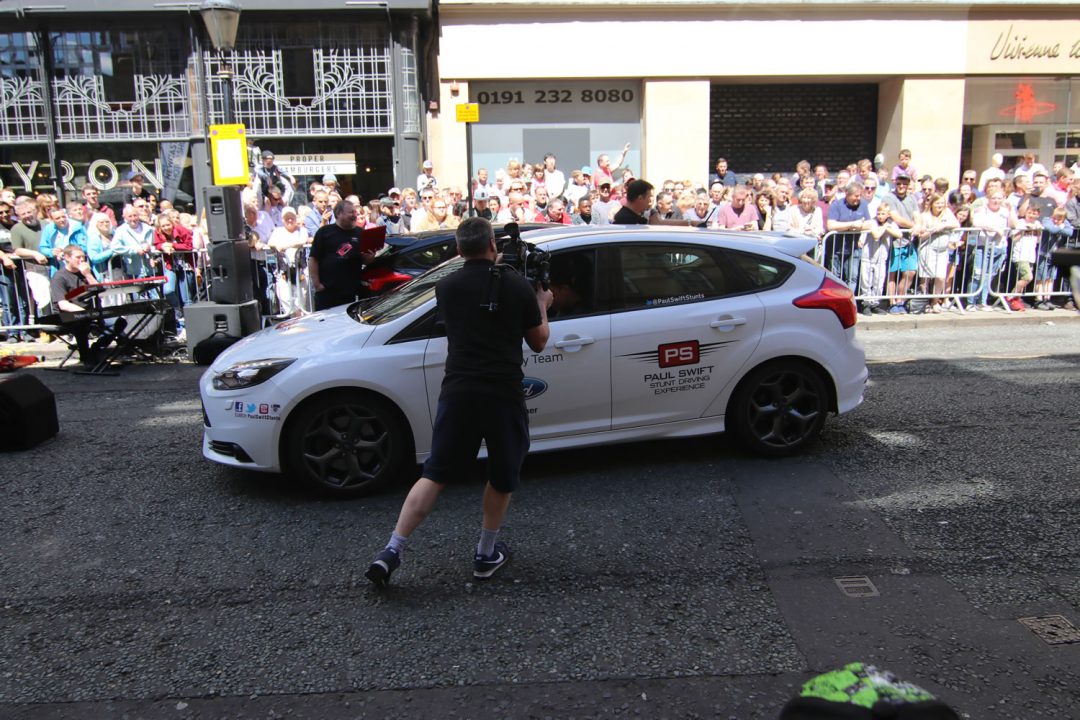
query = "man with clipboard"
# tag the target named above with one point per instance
(338, 253)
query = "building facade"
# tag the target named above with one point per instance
(92, 90)
(764, 84)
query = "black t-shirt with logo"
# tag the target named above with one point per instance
(338, 253)
(626, 216)
(484, 353)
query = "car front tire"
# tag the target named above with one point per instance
(346, 443)
(778, 408)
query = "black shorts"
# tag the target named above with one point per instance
(461, 422)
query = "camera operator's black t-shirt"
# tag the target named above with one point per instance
(484, 348)
(626, 216)
(338, 253)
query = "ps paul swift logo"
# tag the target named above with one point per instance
(687, 352)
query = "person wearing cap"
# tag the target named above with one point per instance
(270, 175)
(427, 178)
(331, 183)
(135, 188)
(604, 206)
(390, 216)
(480, 204)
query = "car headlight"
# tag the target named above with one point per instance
(246, 374)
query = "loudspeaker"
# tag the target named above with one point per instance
(201, 320)
(230, 272)
(27, 413)
(224, 212)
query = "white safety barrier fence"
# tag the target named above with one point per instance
(956, 269)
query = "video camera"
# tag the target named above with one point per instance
(521, 257)
(527, 259)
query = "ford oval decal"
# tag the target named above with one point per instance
(533, 387)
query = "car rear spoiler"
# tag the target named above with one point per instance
(793, 244)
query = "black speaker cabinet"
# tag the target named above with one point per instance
(230, 272)
(27, 412)
(224, 212)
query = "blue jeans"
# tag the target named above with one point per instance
(13, 307)
(179, 288)
(988, 264)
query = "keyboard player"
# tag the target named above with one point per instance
(74, 273)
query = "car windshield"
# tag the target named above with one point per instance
(404, 299)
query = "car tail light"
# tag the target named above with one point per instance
(832, 296)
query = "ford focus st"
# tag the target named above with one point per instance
(655, 333)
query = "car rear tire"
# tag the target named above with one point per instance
(778, 408)
(346, 443)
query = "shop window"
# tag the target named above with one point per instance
(298, 74)
(1067, 147)
(1018, 140)
(118, 76)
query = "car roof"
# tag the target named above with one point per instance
(790, 244)
(434, 237)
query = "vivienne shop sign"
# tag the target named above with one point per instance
(101, 173)
(1035, 46)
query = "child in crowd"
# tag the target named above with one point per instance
(1025, 251)
(1056, 231)
(903, 264)
(875, 255)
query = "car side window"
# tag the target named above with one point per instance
(763, 272)
(671, 274)
(573, 284)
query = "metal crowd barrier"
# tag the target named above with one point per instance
(25, 291)
(951, 269)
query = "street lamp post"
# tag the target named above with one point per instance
(222, 17)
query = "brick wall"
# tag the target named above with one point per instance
(769, 128)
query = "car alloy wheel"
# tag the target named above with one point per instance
(779, 407)
(346, 444)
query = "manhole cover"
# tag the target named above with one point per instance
(856, 586)
(1052, 629)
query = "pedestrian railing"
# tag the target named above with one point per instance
(949, 269)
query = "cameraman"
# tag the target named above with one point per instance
(481, 396)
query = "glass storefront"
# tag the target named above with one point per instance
(1019, 115)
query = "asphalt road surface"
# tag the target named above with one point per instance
(676, 579)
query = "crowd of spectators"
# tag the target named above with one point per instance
(151, 237)
(885, 230)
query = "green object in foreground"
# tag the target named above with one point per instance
(863, 685)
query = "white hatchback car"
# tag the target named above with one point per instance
(657, 333)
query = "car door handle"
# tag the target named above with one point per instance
(728, 323)
(571, 341)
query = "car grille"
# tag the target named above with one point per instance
(229, 449)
